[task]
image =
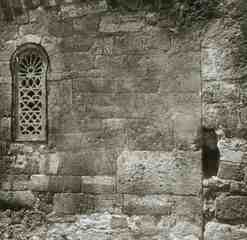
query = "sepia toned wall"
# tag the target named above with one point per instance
(127, 95)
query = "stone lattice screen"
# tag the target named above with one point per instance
(29, 70)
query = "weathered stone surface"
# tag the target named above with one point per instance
(111, 24)
(15, 183)
(220, 91)
(67, 203)
(39, 183)
(88, 163)
(119, 221)
(70, 184)
(231, 208)
(25, 163)
(185, 112)
(100, 139)
(165, 205)
(96, 84)
(224, 115)
(75, 203)
(159, 172)
(217, 33)
(146, 134)
(82, 9)
(77, 62)
(152, 204)
(53, 163)
(5, 107)
(102, 226)
(98, 184)
(87, 24)
(153, 39)
(76, 43)
(216, 184)
(182, 73)
(95, 226)
(218, 63)
(218, 231)
(111, 105)
(126, 81)
(7, 48)
(185, 230)
(229, 155)
(5, 128)
(60, 28)
(16, 199)
(230, 171)
(66, 184)
(102, 203)
(237, 187)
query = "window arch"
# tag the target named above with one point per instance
(29, 65)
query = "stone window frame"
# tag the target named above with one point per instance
(21, 50)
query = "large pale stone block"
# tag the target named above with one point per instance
(146, 172)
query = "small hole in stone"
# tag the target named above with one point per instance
(210, 152)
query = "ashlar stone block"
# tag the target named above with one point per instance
(231, 208)
(98, 184)
(146, 172)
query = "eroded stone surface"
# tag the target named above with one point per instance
(159, 172)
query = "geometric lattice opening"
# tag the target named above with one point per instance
(29, 69)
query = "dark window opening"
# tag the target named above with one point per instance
(210, 153)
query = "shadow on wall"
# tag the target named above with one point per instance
(210, 153)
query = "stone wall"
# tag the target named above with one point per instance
(123, 113)
(124, 108)
(223, 77)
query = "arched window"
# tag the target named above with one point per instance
(29, 66)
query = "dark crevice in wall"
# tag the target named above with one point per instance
(210, 153)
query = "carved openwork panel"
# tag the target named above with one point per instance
(29, 68)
